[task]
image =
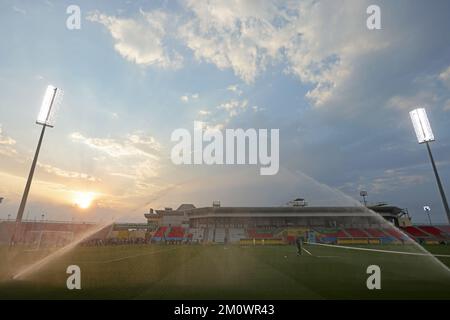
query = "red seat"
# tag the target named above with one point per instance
(415, 232)
(337, 234)
(375, 233)
(446, 229)
(332, 233)
(176, 232)
(395, 233)
(160, 232)
(356, 233)
(259, 234)
(433, 231)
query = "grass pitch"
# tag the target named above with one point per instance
(227, 272)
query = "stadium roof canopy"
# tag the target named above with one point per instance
(192, 212)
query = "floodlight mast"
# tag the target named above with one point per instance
(44, 119)
(425, 135)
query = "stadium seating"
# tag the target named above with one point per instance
(383, 235)
(326, 235)
(236, 234)
(197, 234)
(435, 232)
(416, 232)
(291, 239)
(332, 233)
(260, 234)
(375, 233)
(175, 234)
(160, 234)
(356, 233)
(445, 229)
(209, 235)
(395, 233)
(219, 236)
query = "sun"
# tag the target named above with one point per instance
(83, 200)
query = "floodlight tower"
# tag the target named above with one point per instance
(425, 135)
(363, 194)
(46, 117)
(427, 210)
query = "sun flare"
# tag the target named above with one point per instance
(83, 200)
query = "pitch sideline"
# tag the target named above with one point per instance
(380, 250)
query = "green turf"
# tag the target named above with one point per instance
(227, 272)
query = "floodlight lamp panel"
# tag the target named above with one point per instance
(50, 104)
(421, 125)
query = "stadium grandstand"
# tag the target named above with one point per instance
(282, 225)
(240, 225)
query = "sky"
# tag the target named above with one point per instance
(135, 71)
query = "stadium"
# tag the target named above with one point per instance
(210, 150)
(281, 225)
(232, 252)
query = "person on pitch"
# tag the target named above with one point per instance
(299, 243)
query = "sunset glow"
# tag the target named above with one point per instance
(83, 200)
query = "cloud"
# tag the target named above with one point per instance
(235, 88)
(231, 34)
(447, 105)
(327, 55)
(134, 145)
(19, 10)
(204, 112)
(141, 40)
(67, 174)
(388, 181)
(219, 117)
(135, 156)
(257, 108)
(420, 99)
(5, 140)
(424, 91)
(234, 107)
(444, 76)
(128, 166)
(248, 36)
(394, 179)
(6, 144)
(186, 98)
(208, 126)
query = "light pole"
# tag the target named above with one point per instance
(427, 210)
(425, 135)
(363, 194)
(46, 117)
